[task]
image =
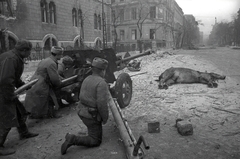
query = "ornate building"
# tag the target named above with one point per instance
(142, 24)
(49, 23)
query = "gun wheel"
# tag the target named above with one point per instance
(123, 89)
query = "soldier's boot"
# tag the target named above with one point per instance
(88, 141)
(24, 133)
(53, 113)
(5, 151)
(69, 141)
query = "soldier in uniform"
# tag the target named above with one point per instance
(66, 63)
(93, 107)
(12, 112)
(41, 99)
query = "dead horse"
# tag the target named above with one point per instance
(176, 75)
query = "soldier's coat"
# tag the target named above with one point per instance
(11, 69)
(37, 98)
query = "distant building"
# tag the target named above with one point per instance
(142, 24)
(178, 25)
(49, 23)
(191, 31)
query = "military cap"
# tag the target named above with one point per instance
(23, 44)
(67, 60)
(57, 50)
(100, 63)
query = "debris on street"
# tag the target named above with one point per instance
(213, 113)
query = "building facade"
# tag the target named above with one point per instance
(142, 24)
(49, 23)
(178, 25)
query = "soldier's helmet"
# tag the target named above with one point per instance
(67, 60)
(23, 44)
(57, 50)
(100, 63)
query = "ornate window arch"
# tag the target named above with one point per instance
(12, 39)
(95, 21)
(80, 17)
(76, 42)
(98, 42)
(8, 40)
(44, 11)
(52, 10)
(99, 22)
(74, 16)
(49, 40)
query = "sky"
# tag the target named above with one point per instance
(207, 10)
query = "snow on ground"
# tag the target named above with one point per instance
(214, 112)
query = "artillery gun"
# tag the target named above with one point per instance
(122, 90)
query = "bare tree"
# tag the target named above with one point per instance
(143, 14)
(165, 24)
(237, 29)
(226, 33)
(115, 24)
(191, 34)
(84, 19)
(117, 13)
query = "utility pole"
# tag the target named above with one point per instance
(104, 27)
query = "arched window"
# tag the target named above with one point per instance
(12, 42)
(98, 44)
(54, 42)
(74, 17)
(95, 21)
(80, 18)
(99, 22)
(50, 41)
(47, 44)
(76, 44)
(52, 9)
(43, 5)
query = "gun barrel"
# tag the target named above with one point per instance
(148, 52)
(25, 87)
(126, 135)
(68, 81)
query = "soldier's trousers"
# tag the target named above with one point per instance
(94, 137)
(22, 129)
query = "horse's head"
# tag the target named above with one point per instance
(161, 83)
(216, 77)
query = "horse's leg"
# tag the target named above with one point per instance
(205, 79)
